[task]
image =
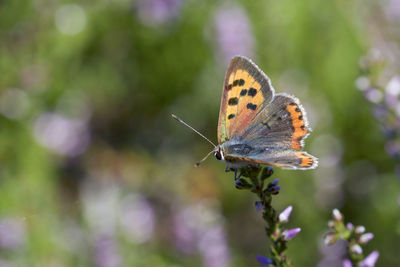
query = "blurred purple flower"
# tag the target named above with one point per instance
(365, 238)
(373, 95)
(63, 135)
(264, 260)
(349, 226)
(392, 91)
(212, 244)
(259, 205)
(12, 233)
(392, 9)
(157, 12)
(380, 112)
(360, 229)
(106, 253)
(392, 148)
(284, 215)
(356, 248)
(370, 260)
(234, 33)
(137, 218)
(200, 228)
(290, 233)
(347, 263)
(337, 215)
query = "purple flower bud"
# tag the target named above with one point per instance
(337, 215)
(274, 182)
(347, 263)
(289, 234)
(365, 238)
(259, 205)
(330, 239)
(356, 248)
(370, 260)
(264, 260)
(284, 215)
(360, 229)
(350, 226)
(275, 190)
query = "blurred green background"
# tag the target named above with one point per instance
(94, 172)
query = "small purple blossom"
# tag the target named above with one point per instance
(350, 226)
(275, 182)
(360, 229)
(106, 252)
(259, 205)
(365, 238)
(370, 260)
(356, 248)
(234, 34)
(264, 260)
(347, 263)
(337, 215)
(157, 12)
(12, 233)
(290, 233)
(284, 215)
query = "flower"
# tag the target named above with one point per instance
(259, 205)
(289, 234)
(233, 30)
(347, 263)
(350, 226)
(360, 229)
(264, 260)
(284, 215)
(365, 238)
(337, 215)
(157, 12)
(370, 260)
(356, 248)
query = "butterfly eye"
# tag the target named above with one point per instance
(218, 155)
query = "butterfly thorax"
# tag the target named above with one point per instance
(234, 153)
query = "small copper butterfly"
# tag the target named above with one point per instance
(257, 126)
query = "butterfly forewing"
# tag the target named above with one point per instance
(246, 90)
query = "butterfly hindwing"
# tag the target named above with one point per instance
(246, 90)
(281, 123)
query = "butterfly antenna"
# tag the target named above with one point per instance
(184, 123)
(198, 163)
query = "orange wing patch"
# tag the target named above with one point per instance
(244, 98)
(299, 126)
(306, 160)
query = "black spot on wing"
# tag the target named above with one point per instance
(233, 101)
(238, 82)
(231, 116)
(252, 92)
(243, 92)
(251, 106)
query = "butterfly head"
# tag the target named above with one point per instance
(218, 153)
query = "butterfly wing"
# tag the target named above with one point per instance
(246, 89)
(274, 136)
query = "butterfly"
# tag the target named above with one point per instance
(257, 126)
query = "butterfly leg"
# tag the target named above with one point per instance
(236, 174)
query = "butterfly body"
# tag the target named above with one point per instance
(257, 126)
